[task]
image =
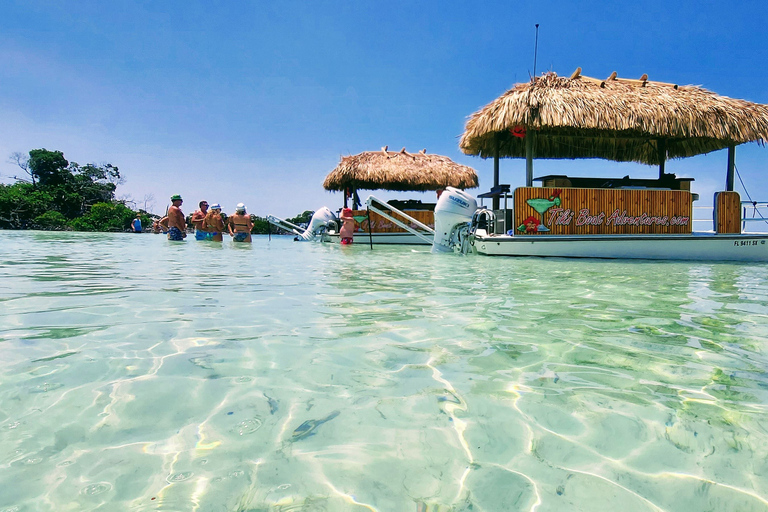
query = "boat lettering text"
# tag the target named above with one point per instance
(565, 216)
(461, 202)
(559, 217)
(739, 243)
(585, 219)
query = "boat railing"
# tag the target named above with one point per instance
(386, 210)
(754, 215)
(485, 219)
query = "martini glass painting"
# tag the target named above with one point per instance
(542, 205)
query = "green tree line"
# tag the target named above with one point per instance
(56, 194)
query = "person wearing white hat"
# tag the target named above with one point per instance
(240, 224)
(213, 224)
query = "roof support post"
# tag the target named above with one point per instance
(495, 169)
(529, 158)
(731, 168)
(661, 145)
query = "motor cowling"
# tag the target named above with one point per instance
(318, 223)
(454, 210)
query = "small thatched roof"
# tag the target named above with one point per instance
(399, 170)
(615, 119)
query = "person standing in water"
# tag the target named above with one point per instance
(347, 230)
(197, 220)
(136, 224)
(175, 221)
(213, 224)
(240, 225)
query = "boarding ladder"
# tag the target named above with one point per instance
(375, 204)
(284, 224)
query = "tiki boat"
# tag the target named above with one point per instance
(624, 120)
(395, 222)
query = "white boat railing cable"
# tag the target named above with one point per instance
(695, 221)
(757, 209)
(372, 201)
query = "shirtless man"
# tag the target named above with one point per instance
(175, 221)
(197, 220)
(240, 225)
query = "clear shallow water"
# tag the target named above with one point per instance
(139, 374)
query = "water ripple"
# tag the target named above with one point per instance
(329, 378)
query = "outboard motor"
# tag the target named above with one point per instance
(318, 223)
(453, 214)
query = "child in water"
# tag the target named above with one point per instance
(347, 227)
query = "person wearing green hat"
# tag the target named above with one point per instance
(177, 225)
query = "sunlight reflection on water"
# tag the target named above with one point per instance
(143, 374)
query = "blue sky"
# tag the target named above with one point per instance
(256, 102)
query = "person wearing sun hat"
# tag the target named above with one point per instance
(346, 233)
(175, 221)
(240, 224)
(213, 224)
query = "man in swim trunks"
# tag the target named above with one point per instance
(197, 220)
(177, 224)
(240, 224)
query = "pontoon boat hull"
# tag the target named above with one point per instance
(697, 246)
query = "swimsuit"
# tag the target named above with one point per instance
(347, 240)
(175, 234)
(240, 236)
(201, 235)
(211, 234)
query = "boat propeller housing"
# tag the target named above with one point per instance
(453, 211)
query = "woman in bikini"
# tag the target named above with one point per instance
(240, 225)
(213, 224)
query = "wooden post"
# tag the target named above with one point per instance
(370, 230)
(661, 145)
(529, 158)
(495, 202)
(731, 168)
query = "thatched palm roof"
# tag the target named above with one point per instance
(399, 170)
(615, 119)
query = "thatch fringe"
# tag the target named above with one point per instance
(399, 170)
(615, 119)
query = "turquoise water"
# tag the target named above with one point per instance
(139, 374)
